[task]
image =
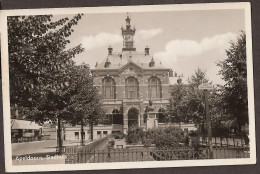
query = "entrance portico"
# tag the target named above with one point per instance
(133, 118)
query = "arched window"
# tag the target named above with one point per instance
(155, 88)
(131, 88)
(161, 116)
(133, 117)
(108, 88)
(145, 116)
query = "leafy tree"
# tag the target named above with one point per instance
(177, 108)
(187, 101)
(162, 138)
(198, 78)
(85, 101)
(234, 73)
(38, 55)
(40, 64)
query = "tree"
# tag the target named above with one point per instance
(85, 101)
(234, 73)
(177, 108)
(187, 101)
(37, 52)
(40, 64)
(198, 78)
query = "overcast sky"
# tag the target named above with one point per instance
(182, 40)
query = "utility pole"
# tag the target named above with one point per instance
(206, 92)
(206, 87)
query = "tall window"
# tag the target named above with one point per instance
(132, 88)
(155, 88)
(161, 116)
(109, 88)
(117, 118)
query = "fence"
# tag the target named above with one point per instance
(225, 142)
(74, 153)
(152, 154)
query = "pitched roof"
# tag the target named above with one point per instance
(118, 60)
(24, 124)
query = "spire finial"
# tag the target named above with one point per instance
(151, 64)
(128, 20)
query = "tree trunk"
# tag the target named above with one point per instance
(16, 111)
(59, 137)
(82, 133)
(91, 131)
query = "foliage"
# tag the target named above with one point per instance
(187, 101)
(40, 65)
(38, 57)
(44, 81)
(85, 104)
(234, 73)
(170, 137)
(193, 133)
(177, 108)
(135, 135)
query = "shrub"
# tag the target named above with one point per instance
(193, 133)
(170, 137)
(118, 135)
(135, 136)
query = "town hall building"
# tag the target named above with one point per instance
(129, 81)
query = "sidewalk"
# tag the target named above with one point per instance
(40, 150)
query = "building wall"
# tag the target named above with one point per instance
(123, 104)
(142, 79)
(99, 131)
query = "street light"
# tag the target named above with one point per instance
(206, 87)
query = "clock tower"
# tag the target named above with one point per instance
(128, 36)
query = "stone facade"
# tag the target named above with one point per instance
(99, 131)
(129, 80)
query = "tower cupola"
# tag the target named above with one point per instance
(146, 50)
(128, 35)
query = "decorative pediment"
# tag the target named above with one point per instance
(131, 69)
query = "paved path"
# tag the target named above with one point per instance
(34, 147)
(42, 152)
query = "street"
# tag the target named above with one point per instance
(38, 152)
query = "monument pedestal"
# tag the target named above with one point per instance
(151, 121)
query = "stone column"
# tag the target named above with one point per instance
(150, 123)
(156, 121)
(139, 118)
(125, 121)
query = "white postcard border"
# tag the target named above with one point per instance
(125, 165)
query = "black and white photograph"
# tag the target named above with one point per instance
(128, 87)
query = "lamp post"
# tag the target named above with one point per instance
(206, 87)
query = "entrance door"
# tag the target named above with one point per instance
(133, 118)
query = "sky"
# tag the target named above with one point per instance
(182, 40)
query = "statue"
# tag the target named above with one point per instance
(150, 107)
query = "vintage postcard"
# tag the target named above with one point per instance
(128, 87)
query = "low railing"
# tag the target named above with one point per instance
(152, 154)
(78, 151)
(231, 152)
(225, 142)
